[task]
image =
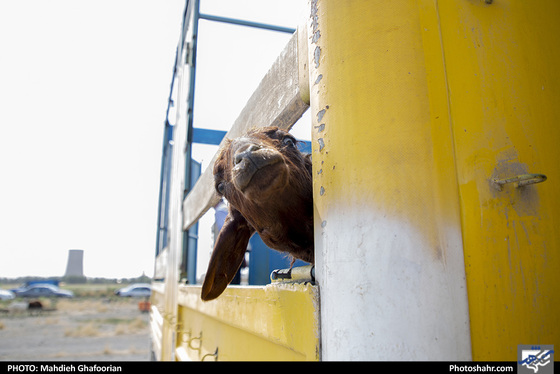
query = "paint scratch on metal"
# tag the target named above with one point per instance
(317, 56)
(319, 78)
(320, 115)
(320, 128)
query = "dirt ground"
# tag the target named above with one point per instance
(77, 330)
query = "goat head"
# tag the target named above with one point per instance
(267, 182)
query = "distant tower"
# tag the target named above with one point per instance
(75, 266)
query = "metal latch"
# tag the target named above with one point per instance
(297, 274)
(520, 180)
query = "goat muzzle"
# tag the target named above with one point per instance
(248, 160)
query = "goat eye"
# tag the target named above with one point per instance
(220, 187)
(288, 142)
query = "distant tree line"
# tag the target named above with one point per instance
(77, 280)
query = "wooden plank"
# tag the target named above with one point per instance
(276, 102)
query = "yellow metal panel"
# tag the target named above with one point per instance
(275, 322)
(502, 67)
(417, 107)
(160, 320)
(385, 139)
(387, 221)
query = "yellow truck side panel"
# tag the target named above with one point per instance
(275, 322)
(502, 63)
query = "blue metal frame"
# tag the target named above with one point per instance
(263, 257)
(240, 22)
(190, 237)
(207, 136)
(263, 261)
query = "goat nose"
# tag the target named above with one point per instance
(245, 152)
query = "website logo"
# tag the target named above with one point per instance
(533, 359)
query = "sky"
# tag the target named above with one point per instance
(83, 94)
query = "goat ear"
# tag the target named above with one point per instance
(228, 254)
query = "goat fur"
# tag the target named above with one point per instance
(268, 184)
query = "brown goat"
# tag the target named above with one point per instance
(267, 182)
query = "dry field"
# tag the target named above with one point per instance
(77, 330)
